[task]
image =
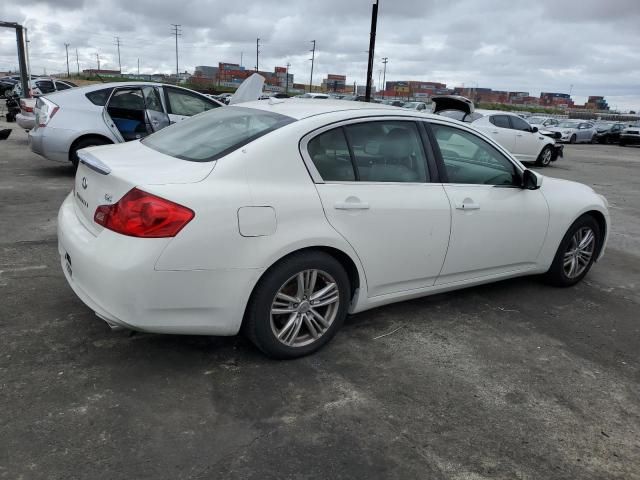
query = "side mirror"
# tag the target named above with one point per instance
(531, 180)
(534, 129)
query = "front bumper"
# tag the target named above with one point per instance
(558, 152)
(114, 275)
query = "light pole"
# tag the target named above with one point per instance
(313, 58)
(372, 47)
(384, 75)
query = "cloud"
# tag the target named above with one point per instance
(589, 46)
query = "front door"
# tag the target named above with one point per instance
(500, 131)
(374, 184)
(496, 227)
(182, 104)
(528, 144)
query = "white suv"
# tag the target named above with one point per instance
(525, 142)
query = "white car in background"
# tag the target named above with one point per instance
(39, 86)
(279, 217)
(508, 129)
(576, 131)
(543, 123)
(417, 106)
(108, 113)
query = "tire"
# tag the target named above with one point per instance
(84, 143)
(557, 274)
(594, 140)
(544, 159)
(573, 138)
(264, 328)
(622, 143)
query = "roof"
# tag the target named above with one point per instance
(300, 108)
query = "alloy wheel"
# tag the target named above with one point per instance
(579, 252)
(546, 157)
(304, 308)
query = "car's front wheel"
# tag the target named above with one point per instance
(594, 140)
(573, 138)
(576, 253)
(544, 159)
(298, 305)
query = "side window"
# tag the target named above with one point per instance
(469, 159)
(501, 121)
(45, 86)
(330, 154)
(519, 124)
(187, 104)
(127, 99)
(99, 97)
(387, 151)
(152, 99)
(62, 86)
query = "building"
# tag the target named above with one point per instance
(95, 71)
(334, 83)
(205, 71)
(232, 75)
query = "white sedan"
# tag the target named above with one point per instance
(280, 217)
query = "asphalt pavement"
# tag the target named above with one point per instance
(515, 380)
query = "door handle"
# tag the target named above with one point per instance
(466, 205)
(351, 205)
(518, 134)
(495, 131)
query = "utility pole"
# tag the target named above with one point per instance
(257, 53)
(98, 58)
(286, 89)
(77, 62)
(372, 48)
(66, 47)
(241, 54)
(177, 33)
(119, 63)
(26, 43)
(138, 67)
(384, 75)
(313, 59)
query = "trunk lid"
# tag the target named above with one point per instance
(452, 102)
(106, 173)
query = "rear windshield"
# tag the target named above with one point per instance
(216, 133)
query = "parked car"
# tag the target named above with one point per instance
(27, 117)
(630, 136)
(542, 123)
(108, 113)
(43, 86)
(508, 129)
(576, 131)
(359, 205)
(317, 96)
(393, 103)
(417, 106)
(608, 132)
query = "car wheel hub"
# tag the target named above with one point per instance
(579, 252)
(304, 308)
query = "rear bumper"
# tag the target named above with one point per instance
(114, 276)
(51, 143)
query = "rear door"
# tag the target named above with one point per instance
(183, 104)
(379, 193)
(528, 144)
(500, 130)
(497, 228)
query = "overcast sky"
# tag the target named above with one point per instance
(541, 45)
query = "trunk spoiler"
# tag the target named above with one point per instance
(93, 163)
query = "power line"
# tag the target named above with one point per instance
(313, 59)
(178, 33)
(119, 63)
(66, 47)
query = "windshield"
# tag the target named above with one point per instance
(216, 133)
(410, 105)
(568, 124)
(536, 120)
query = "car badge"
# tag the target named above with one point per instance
(84, 182)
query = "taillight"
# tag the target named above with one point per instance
(23, 106)
(140, 214)
(46, 110)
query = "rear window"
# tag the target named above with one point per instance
(216, 133)
(99, 97)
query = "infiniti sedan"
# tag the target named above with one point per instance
(278, 218)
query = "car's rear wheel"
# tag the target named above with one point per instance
(576, 253)
(298, 306)
(84, 143)
(544, 159)
(573, 138)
